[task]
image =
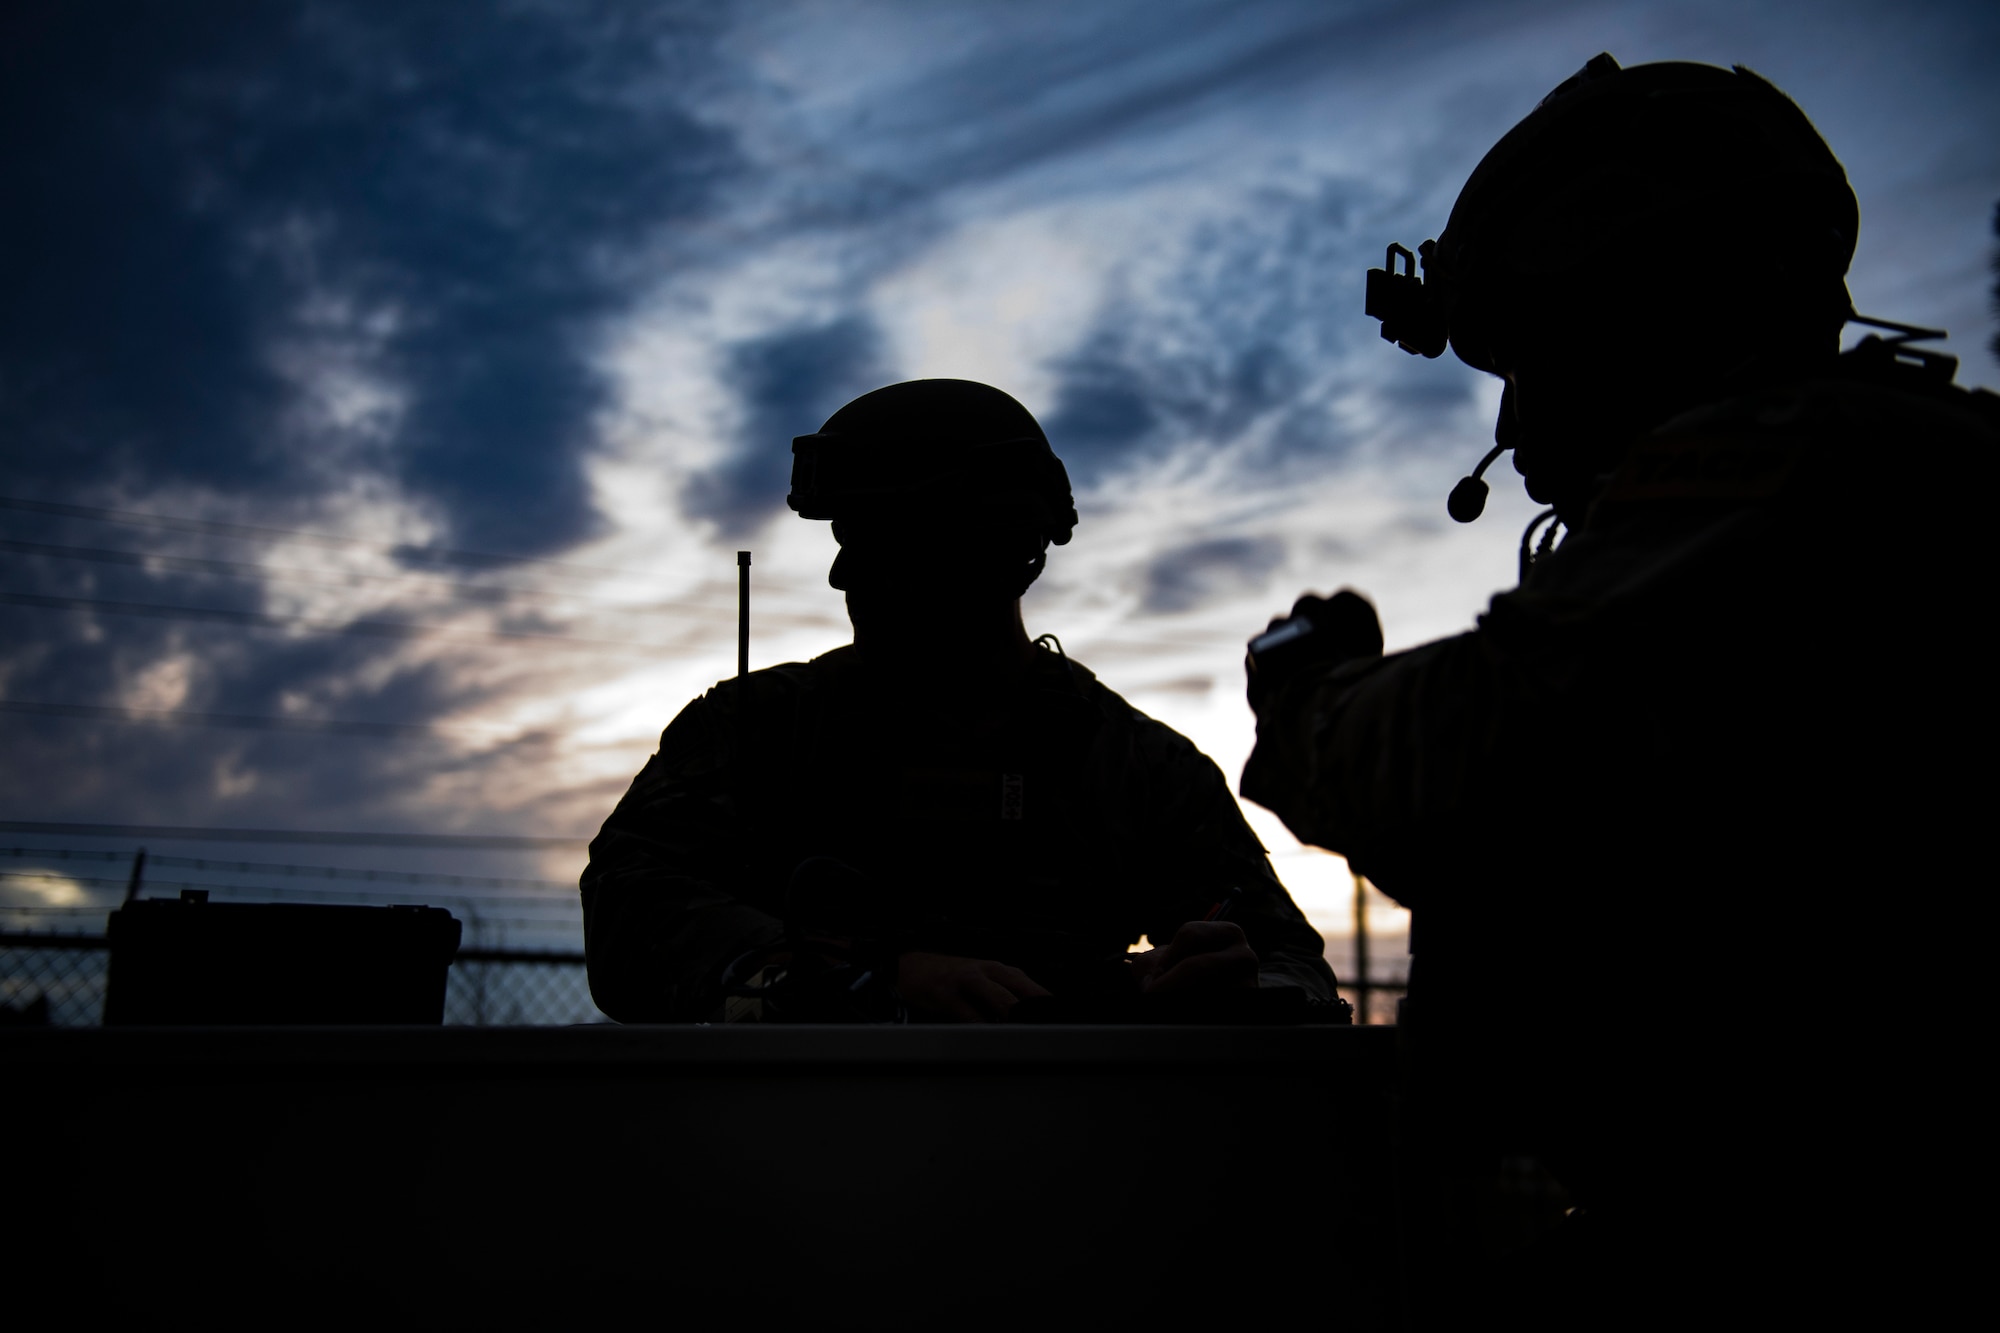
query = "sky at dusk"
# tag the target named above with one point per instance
(385, 388)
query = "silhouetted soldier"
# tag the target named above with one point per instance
(942, 802)
(1663, 816)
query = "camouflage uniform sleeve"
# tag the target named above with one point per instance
(1202, 821)
(1401, 763)
(660, 919)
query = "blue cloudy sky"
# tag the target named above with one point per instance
(384, 388)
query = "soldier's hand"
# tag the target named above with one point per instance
(1204, 955)
(946, 988)
(1324, 632)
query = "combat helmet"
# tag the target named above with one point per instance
(1617, 169)
(926, 455)
(1619, 180)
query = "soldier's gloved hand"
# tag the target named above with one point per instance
(945, 988)
(1203, 955)
(1320, 632)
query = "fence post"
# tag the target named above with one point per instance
(1361, 986)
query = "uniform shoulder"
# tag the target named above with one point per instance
(755, 709)
(1870, 389)
(784, 681)
(1873, 418)
(1151, 738)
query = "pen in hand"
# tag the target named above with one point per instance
(1221, 910)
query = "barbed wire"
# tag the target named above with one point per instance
(479, 922)
(211, 886)
(280, 868)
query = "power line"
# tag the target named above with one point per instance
(380, 629)
(178, 717)
(483, 594)
(174, 717)
(250, 532)
(244, 569)
(169, 832)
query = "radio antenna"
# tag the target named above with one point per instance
(742, 614)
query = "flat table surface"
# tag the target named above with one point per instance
(870, 1177)
(738, 1044)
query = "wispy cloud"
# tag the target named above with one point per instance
(564, 280)
(272, 243)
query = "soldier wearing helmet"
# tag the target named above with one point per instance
(943, 819)
(1646, 814)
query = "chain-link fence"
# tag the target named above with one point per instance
(52, 979)
(497, 987)
(59, 980)
(519, 963)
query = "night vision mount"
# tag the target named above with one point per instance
(1940, 367)
(1413, 318)
(1412, 315)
